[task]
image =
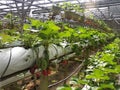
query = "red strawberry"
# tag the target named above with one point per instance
(32, 70)
(38, 74)
(64, 62)
(45, 73)
(49, 71)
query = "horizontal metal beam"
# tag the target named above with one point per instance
(90, 5)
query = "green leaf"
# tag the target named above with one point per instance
(49, 31)
(108, 58)
(36, 23)
(64, 88)
(26, 26)
(108, 70)
(106, 87)
(51, 25)
(83, 82)
(117, 68)
(97, 74)
(6, 38)
(65, 34)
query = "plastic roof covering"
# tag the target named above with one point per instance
(102, 9)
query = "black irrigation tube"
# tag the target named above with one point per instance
(77, 69)
(8, 63)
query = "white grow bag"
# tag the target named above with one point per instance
(18, 58)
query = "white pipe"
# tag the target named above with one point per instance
(22, 58)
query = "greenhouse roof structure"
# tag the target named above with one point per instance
(102, 9)
(46, 35)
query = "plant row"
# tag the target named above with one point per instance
(37, 33)
(101, 71)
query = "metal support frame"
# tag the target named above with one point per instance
(101, 13)
(95, 14)
(111, 15)
(40, 4)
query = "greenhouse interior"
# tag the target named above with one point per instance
(59, 44)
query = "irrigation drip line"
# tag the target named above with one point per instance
(10, 58)
(78, 68)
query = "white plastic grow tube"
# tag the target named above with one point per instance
(18, 58)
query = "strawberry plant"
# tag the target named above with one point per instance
(101, 72)
(103, 68)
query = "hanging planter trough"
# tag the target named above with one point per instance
(16, 59)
